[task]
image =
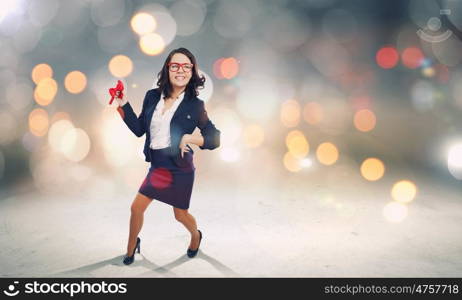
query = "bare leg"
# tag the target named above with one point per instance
(138, 207)
(185, 218)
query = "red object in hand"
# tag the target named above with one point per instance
(113, 91)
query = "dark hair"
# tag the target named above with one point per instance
(196, 82)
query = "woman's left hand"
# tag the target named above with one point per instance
(184, 141)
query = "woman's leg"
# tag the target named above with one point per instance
(185, 218)
(138, 207)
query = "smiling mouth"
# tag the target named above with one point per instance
(180, 77)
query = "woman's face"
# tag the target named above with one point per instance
(180, 76)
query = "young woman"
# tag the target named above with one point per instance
(169, 115)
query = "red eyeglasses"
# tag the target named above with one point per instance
(174, 67)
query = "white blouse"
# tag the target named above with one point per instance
(160, 124)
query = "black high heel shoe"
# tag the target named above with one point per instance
(192, 253)
(130, 259)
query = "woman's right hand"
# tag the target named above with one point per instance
(120, 101)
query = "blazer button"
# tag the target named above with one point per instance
(188, 116)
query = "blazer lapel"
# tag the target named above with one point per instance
(183, 107)
(150, 111)
(175, 128)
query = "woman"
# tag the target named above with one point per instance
(169, 115)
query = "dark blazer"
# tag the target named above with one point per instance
(189, 114)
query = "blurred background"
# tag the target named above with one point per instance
(318, 101)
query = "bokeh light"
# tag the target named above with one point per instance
(313, 113)
(60, 115)
(27, 36)
(38, 122)
(257, 99)
(118, 143)
(290, 113)
(152, 44)
(455, 161)
(31, 142)
(412, 57)
(404, 191)
(306, 162)
(230, 125)
(387, 57)
(166, 24)
(364, 120)
(372, 169)
(120, 66)
(327, 153)
(19, 95)
(395, 212)
(189, 16)
(58, 130)
(423, 95)
(75, 82)
(217, 68)
(428, 72)
(8, 7)
(75, 144)
(254, 135)
(72, 18)
(329, 57)
(143, 23)
(292, 163)
(107, 13)
(42, 12)
(297, 144)
(292, 30)
(40, 72)
(337, 116)
(229, 67)
(45, 91)
(227, 24)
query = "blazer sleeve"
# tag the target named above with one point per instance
(134, 123)
(208, 130)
